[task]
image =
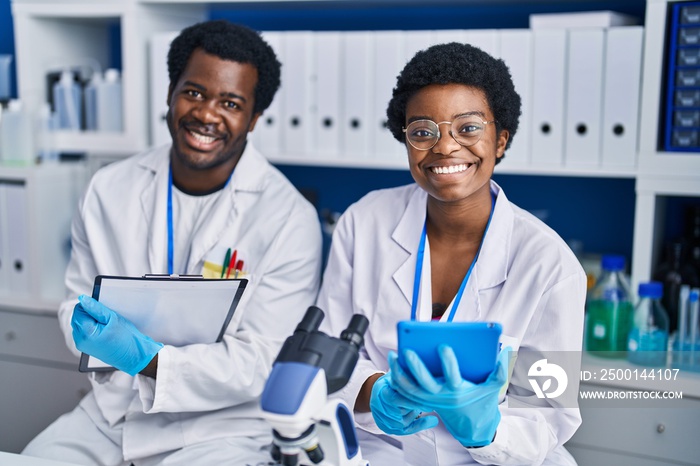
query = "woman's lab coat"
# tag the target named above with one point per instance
(526, 278)
(202, 391)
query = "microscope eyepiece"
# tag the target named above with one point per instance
(354, 333)
(311, 321)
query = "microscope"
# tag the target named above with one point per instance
(307, 426)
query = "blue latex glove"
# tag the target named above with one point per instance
(469, 411)
(104, 334)
(395, 414)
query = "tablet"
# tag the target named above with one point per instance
(475, 344)
(174, 310)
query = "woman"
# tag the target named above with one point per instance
(452, 247)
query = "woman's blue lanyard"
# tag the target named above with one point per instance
(419, 269)
(171, 235)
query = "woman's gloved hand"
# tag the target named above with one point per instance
(393, 413)
(104, 334)
(469, 411)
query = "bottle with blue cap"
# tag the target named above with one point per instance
(609, 310)
(647, 344)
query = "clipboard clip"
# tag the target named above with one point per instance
(174, 276)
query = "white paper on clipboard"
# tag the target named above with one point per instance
(173, 310)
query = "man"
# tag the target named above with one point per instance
(178, 209)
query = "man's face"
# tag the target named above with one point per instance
(211, 111)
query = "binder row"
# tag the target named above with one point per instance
(580, 91)
(682, 125)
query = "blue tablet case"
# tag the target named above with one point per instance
(475, 344)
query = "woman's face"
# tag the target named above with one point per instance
(449, 171)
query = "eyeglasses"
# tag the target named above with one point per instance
(466, 130)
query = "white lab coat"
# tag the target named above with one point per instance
(526, 278)
(204, 391)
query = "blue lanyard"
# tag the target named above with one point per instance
(419, 269)
(171, 235)
(171, 241)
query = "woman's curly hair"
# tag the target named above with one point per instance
(232, 42)
(456, 63)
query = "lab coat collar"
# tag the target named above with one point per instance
(488, 272)
(407, 236)
(248, 176)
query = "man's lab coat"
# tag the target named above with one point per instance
(202, 391)
(526, 278)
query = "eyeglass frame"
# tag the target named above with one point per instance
(439, 133)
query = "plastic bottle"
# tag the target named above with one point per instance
(47, 124)
(16, 138)
(648, 340)
(609, 310)
(91, 101)
(66, 94)
(109, 102)
(673, 272)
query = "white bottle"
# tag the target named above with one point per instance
(109, 102)
(47, 124)
(16, 142)
(91, 101)
(66, 94)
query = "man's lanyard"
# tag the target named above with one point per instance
(171, 236)
(419, 268)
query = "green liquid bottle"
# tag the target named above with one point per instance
(609, 311)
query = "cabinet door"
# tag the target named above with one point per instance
(33, 396)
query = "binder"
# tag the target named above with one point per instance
(584, 97)
(445, 36)
(388, 62)
(4, 247)
(266, 135)
(621, 96)
(415, 41)
(485, 39)
(357, 97)
(297, 96)
(548, 97)
(162, 308)
(159, 83)
(17, 227)
(329, 89)
(516, 52)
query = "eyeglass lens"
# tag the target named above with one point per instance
(466, 130)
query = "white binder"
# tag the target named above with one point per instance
(267, 134)
(621, 96)
(485, 39)
(388, 62)
(159, 83)
(444, 36)
(329, 88)
(584, 97)
(548, 97)
(516, 52)
(4, 246)
(297, 104)
(17, 228)
(357, 95)
(415, 41)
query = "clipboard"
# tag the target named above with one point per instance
(175, 310)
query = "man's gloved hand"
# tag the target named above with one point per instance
(395, 414)
(104, 334)
(469, 411)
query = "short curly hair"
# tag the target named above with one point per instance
(233, 42)
(456, 63)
